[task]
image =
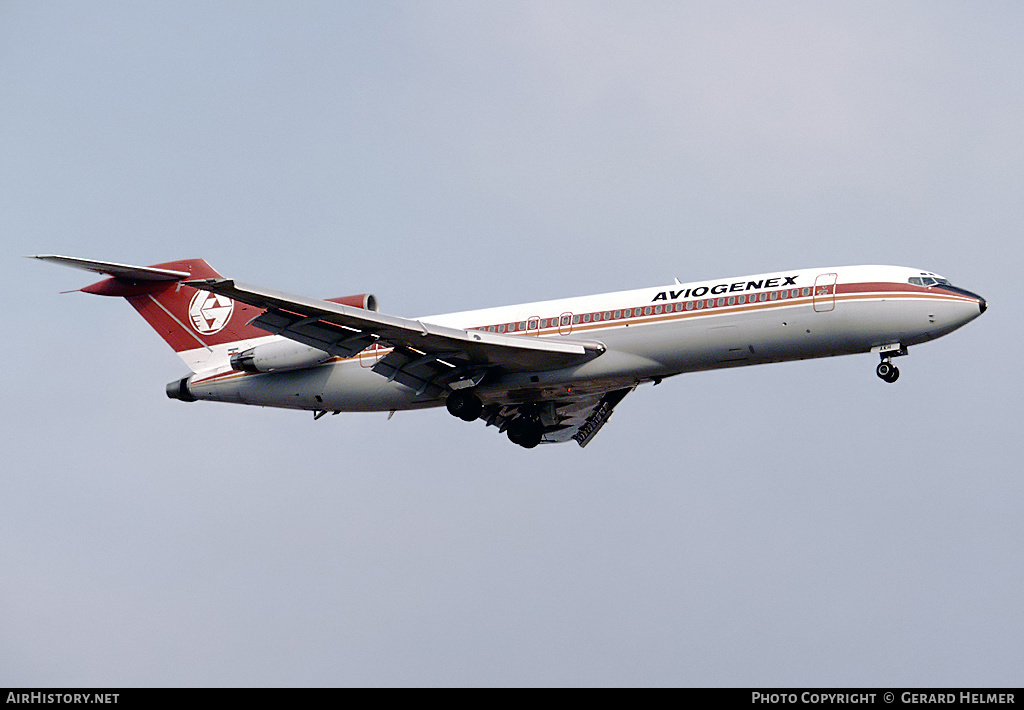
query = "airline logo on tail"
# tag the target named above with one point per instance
(209, 313)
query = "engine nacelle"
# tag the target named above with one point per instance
(366, 301)
(279, 355)
(289, 355)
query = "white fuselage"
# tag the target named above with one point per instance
(648, 334)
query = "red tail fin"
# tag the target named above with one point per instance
(188, 318)
(203, 328)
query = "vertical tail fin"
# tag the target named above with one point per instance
(203, 328)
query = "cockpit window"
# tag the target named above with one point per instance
(928, 281)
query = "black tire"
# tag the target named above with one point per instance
(525, 432)
(464, 405)
(885, 370)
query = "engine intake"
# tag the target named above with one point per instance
(366, 301)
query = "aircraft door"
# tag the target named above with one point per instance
(825, 293)
(565, 323)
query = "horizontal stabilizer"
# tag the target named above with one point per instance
(121, 271)
(203, 329)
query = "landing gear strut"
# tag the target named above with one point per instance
(464, 404)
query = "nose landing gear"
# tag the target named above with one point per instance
(886, 370)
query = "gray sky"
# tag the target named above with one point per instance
(794, 524)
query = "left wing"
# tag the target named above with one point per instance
(424, 356)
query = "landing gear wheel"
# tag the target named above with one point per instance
(887, 371)
(464, 404)
(526, 432)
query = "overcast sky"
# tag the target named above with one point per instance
(793, 524)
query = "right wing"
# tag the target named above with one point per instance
(565, 419)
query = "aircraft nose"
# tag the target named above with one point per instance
(982, 303)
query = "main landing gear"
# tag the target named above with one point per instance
(465, 405)
(526, 429)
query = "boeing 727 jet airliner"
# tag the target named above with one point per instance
(543, 372)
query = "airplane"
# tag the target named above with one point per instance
(544, 372)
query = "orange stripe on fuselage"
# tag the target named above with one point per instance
(843, 293)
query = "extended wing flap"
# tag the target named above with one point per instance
(580, 420)
(334, 339)
(340, 330)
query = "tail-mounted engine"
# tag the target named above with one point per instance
(290, 355)
(278, 355)
(366, 301)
